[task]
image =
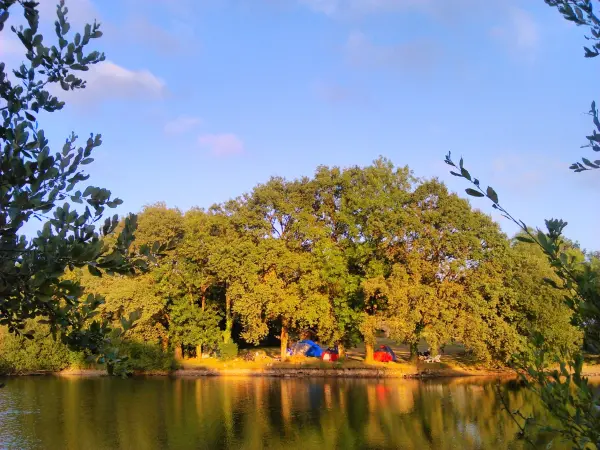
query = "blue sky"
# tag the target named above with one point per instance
(200, 100)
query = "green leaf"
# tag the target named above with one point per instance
(94, 271)
(81, 67)
(465, 173)
(474, 193)
(491, 194)
(525, 239)
(551, 282)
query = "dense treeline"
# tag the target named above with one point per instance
(339, 257)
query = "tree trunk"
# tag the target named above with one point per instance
(341, 351)
(199, 351)
(178, 352)
(228, 318)
(414, 349)
(368, 352)
(284, 342)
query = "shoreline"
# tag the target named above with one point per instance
(282, 372)
(299, 372)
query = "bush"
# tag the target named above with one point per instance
(228, 350)
(145, 357)
(5, 368)
(78, 360)
(42, 353)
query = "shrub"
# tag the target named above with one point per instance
(79, 360)
(145, 357)
(42, 353)
(228, 350)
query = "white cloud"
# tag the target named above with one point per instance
(442, 9)
(169, 37)
(332, 93)
(107, 80)
(520, 171)
(521, 32)
(328, 7)
(336, 93)
(226, 144)
(361, 7)
(182, 124)
(417, 55)
(80, 12)
(11, 46)
(526, 29)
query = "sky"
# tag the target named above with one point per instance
(200, 100)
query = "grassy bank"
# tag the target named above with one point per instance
(455, 362)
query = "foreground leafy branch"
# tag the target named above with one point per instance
(565, 392)
(36, 183)
(581, 13)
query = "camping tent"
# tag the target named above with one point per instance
(307, 348)
(331, 354)
(384, 354)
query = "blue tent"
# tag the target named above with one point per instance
(307, 348)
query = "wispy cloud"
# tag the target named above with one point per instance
(146, 33)
(182, 124)
(328, 7)
(80, 11)
(361, 7)
(170, 37)
(416, 55)
(226, 144)
(336, 93)
(110, 81)
(520, 32)
(525, 172)
(441, 9)
(11, 46)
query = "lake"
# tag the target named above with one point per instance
(255, 413)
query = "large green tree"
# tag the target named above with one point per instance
(284, 287)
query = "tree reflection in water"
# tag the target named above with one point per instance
(257, 413)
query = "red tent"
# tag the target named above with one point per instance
(328, 355)
(384, 354)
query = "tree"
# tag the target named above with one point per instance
(216, 253)
(447, 251)
(191, 325)
(332, 249)
(38, 184)
(373, 211)
(282, 284)
(544, 311)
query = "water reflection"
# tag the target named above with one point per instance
(256, 413)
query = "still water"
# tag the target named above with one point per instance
(256, 413)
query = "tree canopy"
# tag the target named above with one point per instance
(340, 257)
